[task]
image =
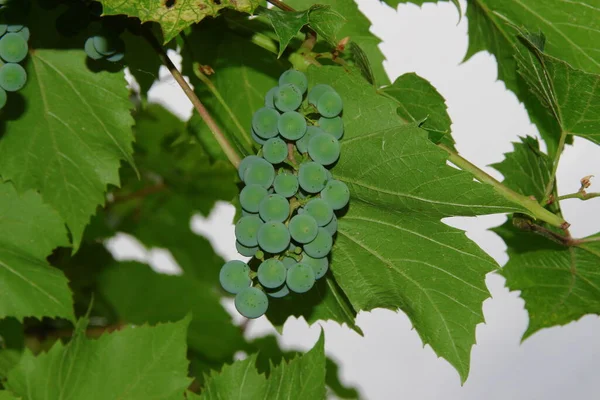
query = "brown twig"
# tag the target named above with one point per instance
(229, 151)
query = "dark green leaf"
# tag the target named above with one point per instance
(4, 395)
(9, 358)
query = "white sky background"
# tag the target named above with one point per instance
(390, 361)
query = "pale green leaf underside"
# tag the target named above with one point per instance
(301, 378)
(559, 284)
(29, 231)
(137, 363)
(176, 16)
(72, 136)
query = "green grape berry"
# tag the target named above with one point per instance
(300, 278)
(303, 228)
(251, 302)
(312, 177)
(271, 273)
(287, 97)
(251, 196)
(279, 293)
(273, 237)
(324, 149)
(330, 104)
(257, 138)
(3, 98)
(90, 50)
(235, 276)
(319, 265)
(13, 48)
(336, 194)
(320, 210)
(270, 97)
(264, 122)
(246, 230)
(321, 246)
(292, 125)
(245, 250)
(275, 150)
(302, 143)
(3, 28)
(105, 44)
(286, 184)
(294, 77)
(116, 57)
(289, 262)
(274, 208)
(317, 91)
(260, 172)
(12, 77)
(245, 163)
(334, 126)
(332, 226)
(15, 27)
(25, 33)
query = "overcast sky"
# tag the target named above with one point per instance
(390, 361)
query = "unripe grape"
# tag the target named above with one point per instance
(257, 138)
(294, 77)
(292, 125)
(245, 163)
(333, 126)
(336, 194)
(116, 57)
(15, 27)
(245, 250)
(248, 213)
(12, 77)
(286, 184)
(302, 143)
(324, 149)
(320, 210)
(321, 246)
(105, 44)
(312, 177)
(3, 98)
(246, 230)
(25, 33)
(288, 97)
(330, 104)
(271, 273)
(264, 122)
(3, 28)
(279, 293)
(332, 226)
(270, 97)
(13, 48)
(317, 91)
(235, 276)
(273, 237)
(251, 196)
(289, 262)
(260, 172)
(251, 302)
(300, 278)
(90, 50)
(303, 228)
(275, 150)
(274, 208)
(319, 265)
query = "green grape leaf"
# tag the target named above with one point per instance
(325, 21)
(140, 362)
(140, 295)
(401, 187)
(325, 301)
(68, 142)
(418, 101)
(361, 61)
(571, 96)
(302, 378)
(9, 358)
(174, 16)
(559, 284)
(527, 169)
(4, 395)
(142, 61)
(357, 27)
(29, 231)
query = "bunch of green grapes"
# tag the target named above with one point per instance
(105, 46)
(14, 48)
(290, 198)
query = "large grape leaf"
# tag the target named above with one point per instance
(392, 250)
(73, 130)
(135, 363)
(29, 231)
(4, 395)
(559, 283)
(301, 378)
(174, 15)
(571, 96)
(140, 295)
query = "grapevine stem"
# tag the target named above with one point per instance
(552, 181)
(229, 151)
(534, 208)
(579, 195)
(281, 5)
